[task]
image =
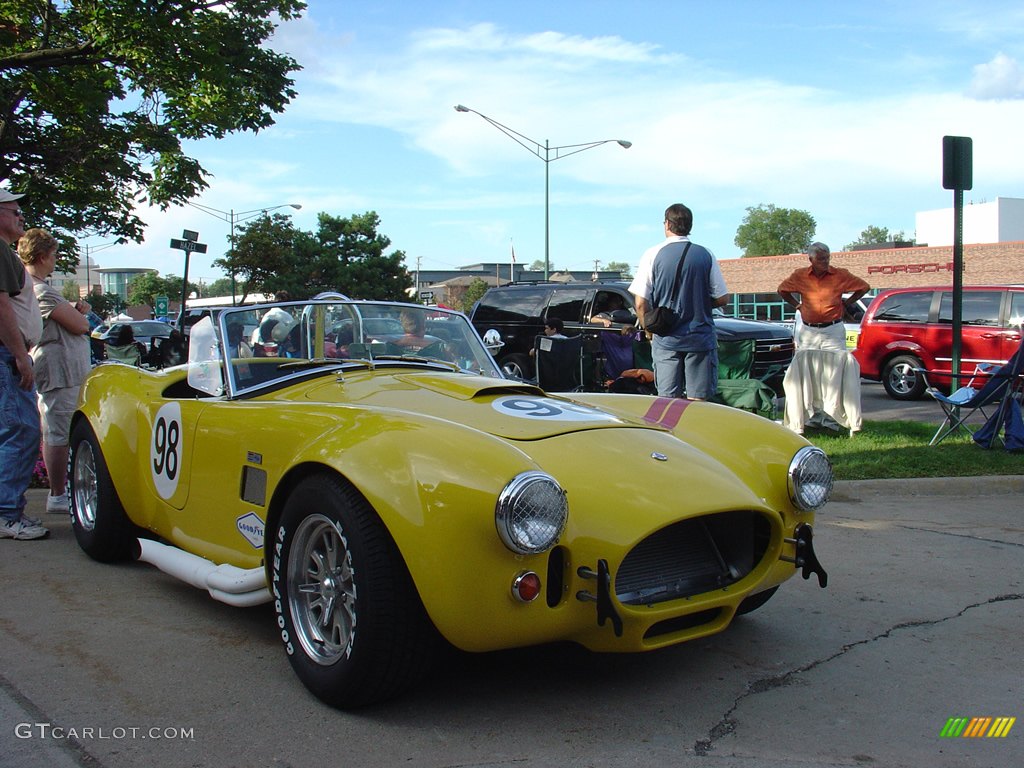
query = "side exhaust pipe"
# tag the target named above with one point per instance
(226, 583)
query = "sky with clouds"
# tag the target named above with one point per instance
(837, 109)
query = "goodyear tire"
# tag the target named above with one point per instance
(349, 616)
(101, 526)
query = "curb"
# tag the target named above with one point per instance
(991, 485)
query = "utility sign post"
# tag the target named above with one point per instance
(189, 243)
(957, 175)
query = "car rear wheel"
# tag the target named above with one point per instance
(900, 379)
(101, 526)
(517, 366)
(351, 621)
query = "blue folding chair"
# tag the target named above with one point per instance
(999, 388)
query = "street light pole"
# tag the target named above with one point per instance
(89, 250)
(544, 152)
(231, 218)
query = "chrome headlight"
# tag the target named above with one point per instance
(810, 478)
(531, 512)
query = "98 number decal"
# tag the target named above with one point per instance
(165, 449)
(165, 444)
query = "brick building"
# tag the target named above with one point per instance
(752, 282)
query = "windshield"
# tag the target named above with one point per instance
(275, 341)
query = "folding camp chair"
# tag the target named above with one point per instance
(559, 363)
(989, 388)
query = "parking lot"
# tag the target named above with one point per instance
(118, 666)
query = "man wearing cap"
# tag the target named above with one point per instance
(21, 325)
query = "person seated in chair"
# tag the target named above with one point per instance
(237, 345)
(415, 338)
(634, 381)
(554, 328)
(124, 348)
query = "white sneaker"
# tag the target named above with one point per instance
(21, 530)
(57, 503)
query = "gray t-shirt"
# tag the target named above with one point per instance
(15, 281)
(61, 358)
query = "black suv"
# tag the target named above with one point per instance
(518, 311)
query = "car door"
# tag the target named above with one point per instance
(1014, 319)
(982, 332)
(572, 305)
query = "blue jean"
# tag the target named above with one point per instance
(690, 374)
(19, 438)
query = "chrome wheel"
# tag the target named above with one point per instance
(85, 497)
(321, 590)
(101, 527)
(901, 380)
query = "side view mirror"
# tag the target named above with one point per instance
(623, 316)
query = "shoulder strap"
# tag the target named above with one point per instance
(679, 272)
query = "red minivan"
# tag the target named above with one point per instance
(909, 328)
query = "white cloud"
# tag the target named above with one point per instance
(1001, 78)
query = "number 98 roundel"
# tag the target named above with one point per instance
(165, 446)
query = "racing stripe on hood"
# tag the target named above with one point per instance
(666, 411)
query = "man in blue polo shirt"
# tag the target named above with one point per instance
(685, 359)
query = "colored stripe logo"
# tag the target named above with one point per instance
(977, 727)
(666, 411)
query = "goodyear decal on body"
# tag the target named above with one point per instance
(252, 529)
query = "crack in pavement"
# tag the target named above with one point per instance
(956, 535)
(727, 725)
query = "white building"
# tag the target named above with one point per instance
(1001, 221)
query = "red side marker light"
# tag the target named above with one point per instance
(526, 587)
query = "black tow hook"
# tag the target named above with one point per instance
(605, 606)
(805, 557)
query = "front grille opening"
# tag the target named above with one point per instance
(679, 623)
(692, 557)
(556, 576)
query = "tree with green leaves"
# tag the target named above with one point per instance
(622, 268)
(875, 235)
(219, 287)
(346, 255)
(146, 287)
(473, 293)
(106, 304)
(770, 231)
(97, 96)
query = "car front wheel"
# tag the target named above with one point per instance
(101, 526)
(350, 619)
(754, 602)
(901, 380)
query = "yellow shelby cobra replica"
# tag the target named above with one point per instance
(365, 467)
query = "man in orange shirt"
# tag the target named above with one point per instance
(822, 384)
(817, 294)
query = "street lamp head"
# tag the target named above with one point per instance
(296, 206)
(460, 108)
(624, 144)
